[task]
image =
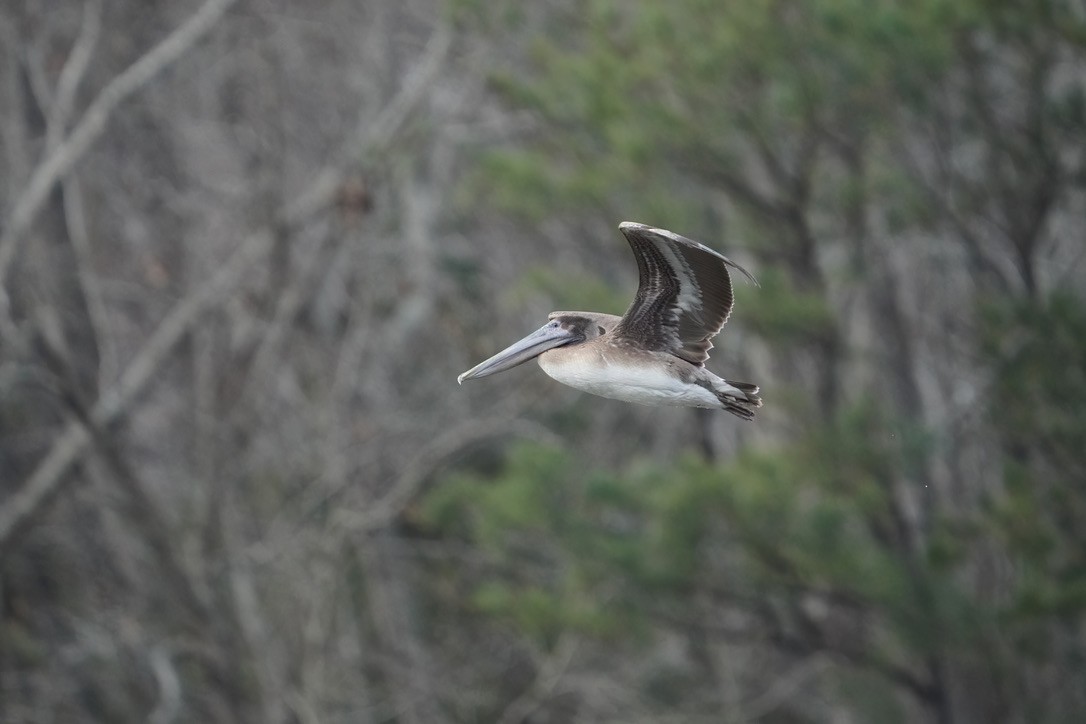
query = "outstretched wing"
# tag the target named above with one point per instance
(684, 296)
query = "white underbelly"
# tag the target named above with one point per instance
(642, 384)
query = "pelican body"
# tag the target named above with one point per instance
(655, 353)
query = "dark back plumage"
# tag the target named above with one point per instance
(684, 296)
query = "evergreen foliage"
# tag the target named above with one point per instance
(789, 129)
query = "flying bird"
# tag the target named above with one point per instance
(655, 353)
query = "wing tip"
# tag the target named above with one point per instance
(627, 227)
(746, 273)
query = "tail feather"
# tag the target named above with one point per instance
(739, 398)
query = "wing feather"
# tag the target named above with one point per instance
(684, 296)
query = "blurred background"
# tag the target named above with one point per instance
(247, 246)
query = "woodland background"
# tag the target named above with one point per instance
(246, 247)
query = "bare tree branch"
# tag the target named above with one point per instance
(169, 687)
(73, 72)
(67, 153)
(783, 688)
(429, 460)
(47, 478)
(548, 676)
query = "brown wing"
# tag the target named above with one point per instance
(684, 296)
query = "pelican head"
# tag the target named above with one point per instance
(561, 329)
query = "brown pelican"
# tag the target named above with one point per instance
(655, 353)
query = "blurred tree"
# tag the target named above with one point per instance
(894, 167)
(245, 247)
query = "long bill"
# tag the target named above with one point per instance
(547, 337)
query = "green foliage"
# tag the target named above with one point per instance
(785, 314)
(615, 554)
(537, 523)
(604, 553)
(657, 111)
(1040, 353)
(577, 290)
(1040, 414)
(792, 112)
(636, 95)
